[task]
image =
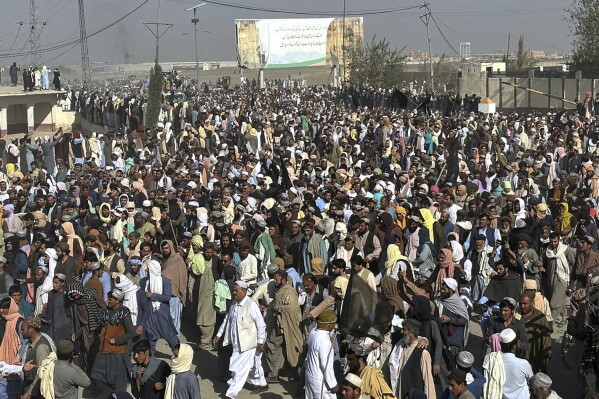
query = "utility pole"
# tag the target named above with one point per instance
(85, 72)
(425, 20)
(36, 32)
(195, 21)
(343, 44)
(157, 34)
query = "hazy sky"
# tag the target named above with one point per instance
(484, 23)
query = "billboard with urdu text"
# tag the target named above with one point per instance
(285, 43)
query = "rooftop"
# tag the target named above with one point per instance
(18, 91)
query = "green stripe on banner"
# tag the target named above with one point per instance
(297, 64)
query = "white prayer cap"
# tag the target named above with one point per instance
(273, 267)
(95, 266)
(354, 380)
(117, 294)
(542, 380)
(512, 301)
(397, 321)
(508, 335)
(451, 283)
(465, 359)
(241, 284)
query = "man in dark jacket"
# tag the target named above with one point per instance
(464, 362)
(506, 319)
(14, 74)
(149, 373)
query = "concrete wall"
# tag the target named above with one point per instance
(66, 120)
(42, 118)
(472, 82)
(16, 117)
(47, 118)
(507, 97)
(88, 128)
(22, 112)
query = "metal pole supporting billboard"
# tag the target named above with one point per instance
(158, 32)
(195, 21)
(343, 45)
(425, 20)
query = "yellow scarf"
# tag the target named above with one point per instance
(429, 221)
(196, 261)
(393, 256)
(46, 375)
(374, 384)
(564, 219)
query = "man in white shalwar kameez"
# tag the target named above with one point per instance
(245, 330)
(320, 378)
(44, 282)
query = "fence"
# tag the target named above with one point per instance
(508, 97)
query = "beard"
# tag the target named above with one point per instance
(404, 341)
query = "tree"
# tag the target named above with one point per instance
(376, 65)
(523, 59)
(154, 96)
(445, 74)
(583, 19)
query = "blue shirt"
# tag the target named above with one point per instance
(320, 203)
(25, 308)
(105, 280)
(475, 387)
(295, 277)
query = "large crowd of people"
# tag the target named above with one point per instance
(310, 234)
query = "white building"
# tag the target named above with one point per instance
(465, 50)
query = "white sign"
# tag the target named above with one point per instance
(293, 42)
(278, 43)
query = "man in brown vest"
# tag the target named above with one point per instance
(38, 349)
(113, 262)
(110, 365)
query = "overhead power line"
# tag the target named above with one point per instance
(447, 41)
(20, 52)
(15, 40)
(46, 62)
(58, 8)
(60, 45)
(310, 13)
